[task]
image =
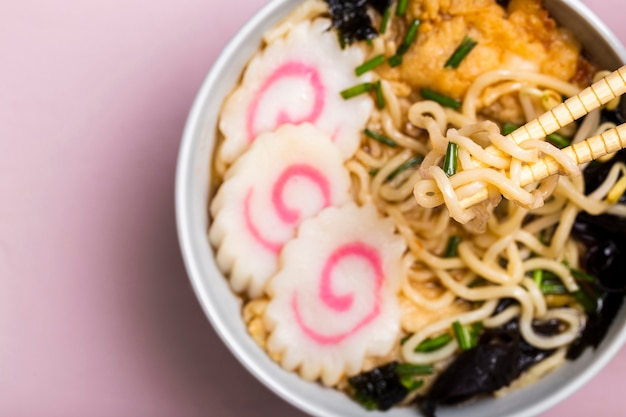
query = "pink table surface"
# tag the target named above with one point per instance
(97, 317)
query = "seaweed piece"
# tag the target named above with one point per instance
(379, 389)
(501, 356)
(350, 18)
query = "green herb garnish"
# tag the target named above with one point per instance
(453, 244)
(380, 98)
(459, 54)
(558, 140)
(356, 90)
(433, 343)
(380, 138)
(409, 163)
(369, 65)
(408, 40)
(402, 6)
(440, 98)
(463, 336)
(412, 369)
(509, 128)
(450, 160)
(385, 21)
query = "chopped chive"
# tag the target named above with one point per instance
(395, 60)
(475, 332)
(463, 336)
(588, 301)
(440, 98)
(459, 54)
(380, 138)
(411, 384)
(402, 6)
(356, 90)
(409, 163)
(450, 160)
(453, 244)
(369, 65)
(538, 277)
(380, 98)
(509, 128)
(582, 276)
(409, 38)
(553, 288)
(412, 369)
(385, 22)
(558, 140)
(433, 343)
(373, 171)
(405, 338)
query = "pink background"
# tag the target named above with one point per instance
(97, 317)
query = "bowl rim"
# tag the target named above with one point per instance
(192, 255)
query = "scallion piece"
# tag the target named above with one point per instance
(450, 160)
(380, 138)
(589, 302)
(459, 54)
(582, 276)
(357, 90)
(509, 128)
(395, 60)
(463, 336)
(409, 38)
(453, 244)
(380, 98)
(373, 171)
(402, 6)
(369, 65)
(538, 277)
(475, 332)
(440, 98)
(412, 369)
(411, 384)
(558, 140)
(433, 343)
(553, 288)
(385, 21)
(409, 163)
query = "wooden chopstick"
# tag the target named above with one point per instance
(582, 152)
(587, 100)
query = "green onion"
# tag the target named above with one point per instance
(440, 98)
(380, 98)
(509, 128)
(411, 369)
(463, 336)
(558, 140)
(553, 288)
(356, 90)
(450, 160)
(401, 9)
(453, 244)
(582, 276)
(475, 332)
(385, 22)
(461, 52)
(408, 40)
(380, 138)
(411, 384)
(433, 343)
(589, 302)
(410, 163)
(538, 277)
(369, 65)
(395, 60)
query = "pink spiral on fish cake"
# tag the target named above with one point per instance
(342, 303)
(287, 215)
(289, 69)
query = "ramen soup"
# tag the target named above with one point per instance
(349, 275)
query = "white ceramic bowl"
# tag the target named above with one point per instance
(222, 307)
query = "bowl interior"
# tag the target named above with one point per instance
(222, 307)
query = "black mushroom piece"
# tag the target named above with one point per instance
(500, 357)
(350, 18)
